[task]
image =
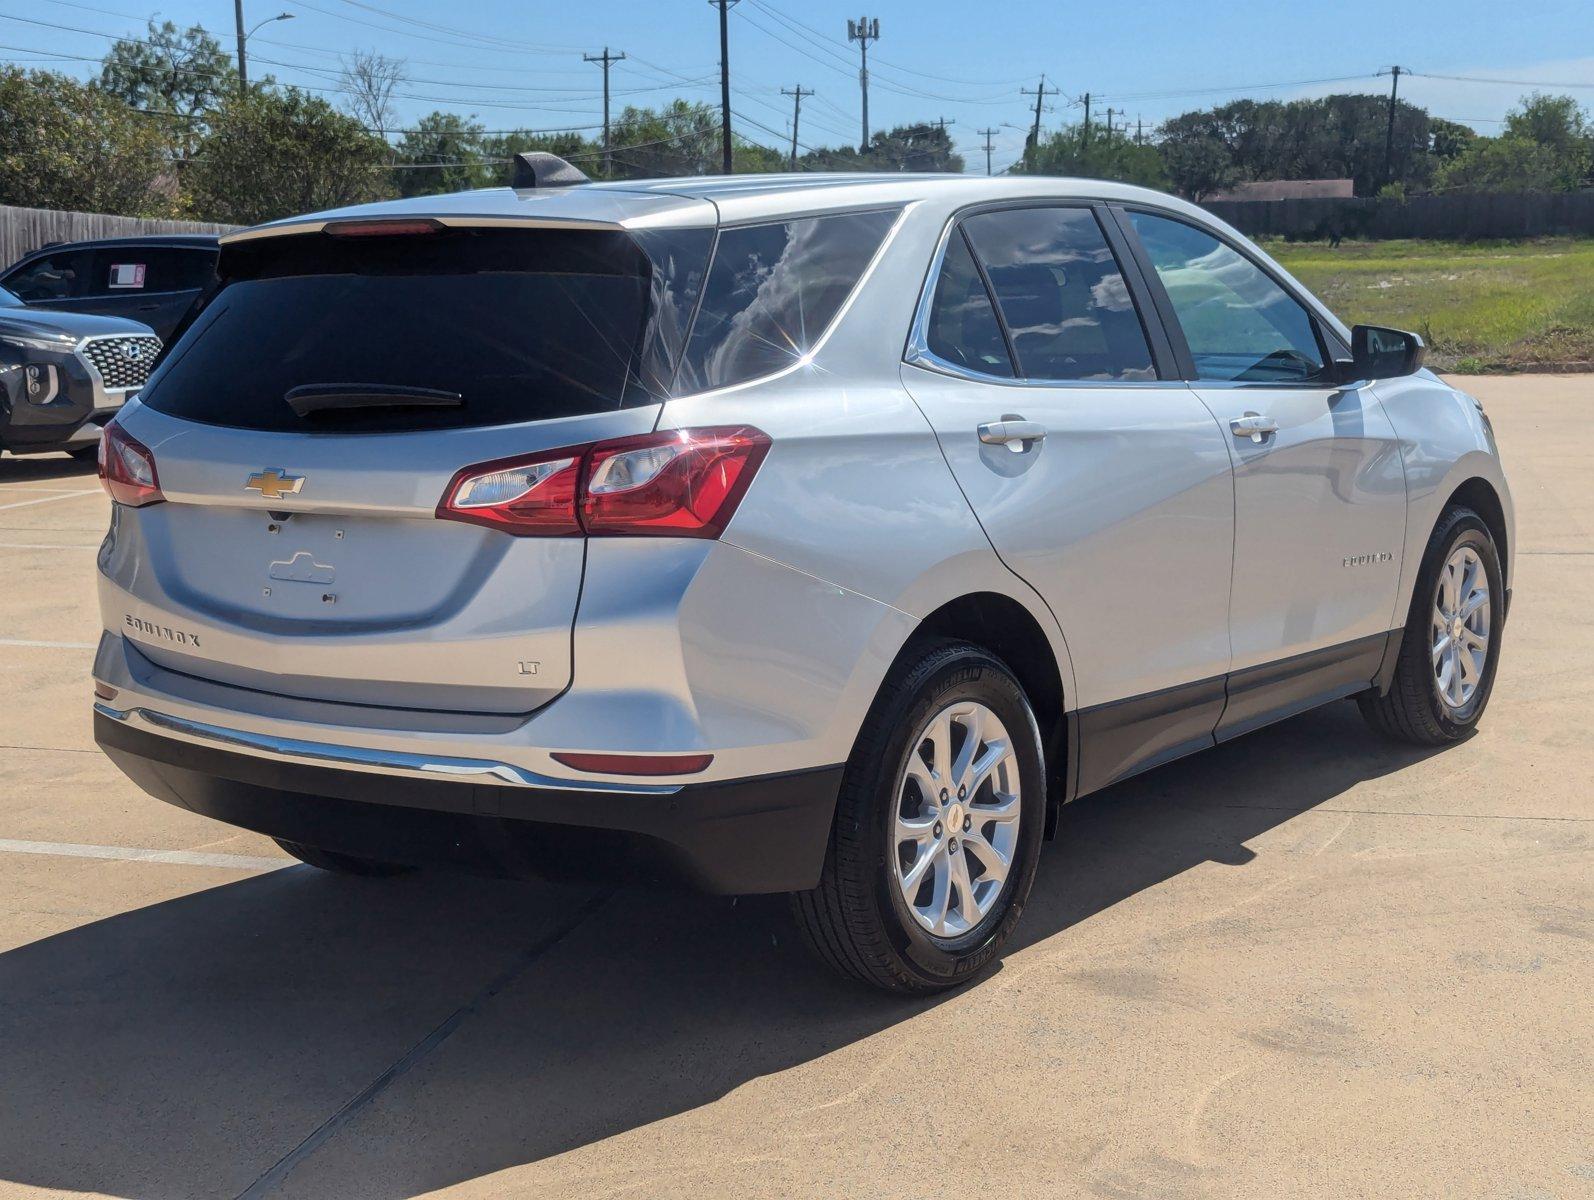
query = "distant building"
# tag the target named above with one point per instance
(1287, 189)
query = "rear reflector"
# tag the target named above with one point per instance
(104, 690)
(679, 483)
(127, 469)
(636, 764)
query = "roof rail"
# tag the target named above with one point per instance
(539, 169)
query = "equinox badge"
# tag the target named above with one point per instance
(273, 483)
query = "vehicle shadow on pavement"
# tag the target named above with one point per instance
(296, 1033)
(44, 467)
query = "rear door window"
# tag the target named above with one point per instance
(60, 276)
(772, 292)
(518, 325)
(134, 268)
(1067, 308)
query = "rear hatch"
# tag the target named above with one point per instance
(308, 422)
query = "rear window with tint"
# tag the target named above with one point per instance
(522, 325)
(773, 291)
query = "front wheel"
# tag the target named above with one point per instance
(938, 827)
(1451, 645)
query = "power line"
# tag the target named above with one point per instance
(1508, 82)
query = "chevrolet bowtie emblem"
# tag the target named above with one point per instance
(273, 483)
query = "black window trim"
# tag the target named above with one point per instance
(1163, 357)
(1329, 343)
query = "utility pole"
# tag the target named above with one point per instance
(607, 60)
(1084, 143)
(1110, 112)
(243, 59)
(1389, 133)
(1140, 139)
(987, 134)
(725, 6)
(796, 112)
(863, 31)
(1040, 94)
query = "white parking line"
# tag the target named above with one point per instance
(50, 499)
(184, 858)
(49, 645)
(48, 546)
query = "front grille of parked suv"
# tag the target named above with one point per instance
(122, 360)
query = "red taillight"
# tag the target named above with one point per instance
(127, 469)
(534, 495)
(636, 764)
(682, 483)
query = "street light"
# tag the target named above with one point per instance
(243, 38)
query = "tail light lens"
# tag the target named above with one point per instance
(680, 483)
(530, 496)
(127, 469)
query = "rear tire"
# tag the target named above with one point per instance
(868, 919)
(341, 864)
(1427, 703)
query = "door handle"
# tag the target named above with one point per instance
(1003, 433)
(1254, 426)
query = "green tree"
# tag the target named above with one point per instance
(443, 153)
(1335, 137)
(682, 138)
(1197, 164)
(904, 148)
(274, 153)
(1559, 125)
(1449, 139)
(1069, 151)
(1502, 164)
(179, 73)
(73, 146)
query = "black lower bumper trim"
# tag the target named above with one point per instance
(764, 834)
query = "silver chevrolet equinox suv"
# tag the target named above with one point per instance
(819, 534)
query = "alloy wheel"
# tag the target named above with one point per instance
(956, 819)
(1461, 618)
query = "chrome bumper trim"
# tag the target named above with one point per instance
(360, 758)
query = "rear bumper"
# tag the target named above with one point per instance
(761, 834)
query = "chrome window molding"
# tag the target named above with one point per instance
(362, 758)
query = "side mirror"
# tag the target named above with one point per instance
(1380, 353)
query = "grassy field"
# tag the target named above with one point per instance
(1481, 306)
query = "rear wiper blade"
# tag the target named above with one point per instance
(325, 397)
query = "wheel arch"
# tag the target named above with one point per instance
(1478, 494)
(1004, 626)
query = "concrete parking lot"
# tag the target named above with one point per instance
(1308, 963)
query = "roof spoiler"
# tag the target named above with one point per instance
(539, 169)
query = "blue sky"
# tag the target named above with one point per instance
(517, 63)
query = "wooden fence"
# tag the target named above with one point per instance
(1461, 216)
(26, 229)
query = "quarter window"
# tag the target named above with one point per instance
(772, 291)
(1067, 308)
(962, 328)
(1239, 322)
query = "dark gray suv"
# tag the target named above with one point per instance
(64, 374)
